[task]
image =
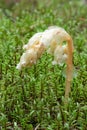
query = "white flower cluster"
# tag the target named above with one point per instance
(50, 40)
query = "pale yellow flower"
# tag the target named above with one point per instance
(53, 34)
(60, 54)
(50, 40)
(34, 39)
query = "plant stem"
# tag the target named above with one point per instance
(69, 68)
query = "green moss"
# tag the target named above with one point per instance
(35, 96)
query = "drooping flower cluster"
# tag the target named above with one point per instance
(51, 41)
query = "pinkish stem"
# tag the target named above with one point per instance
(69, 68)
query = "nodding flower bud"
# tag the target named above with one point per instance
(50, 40)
